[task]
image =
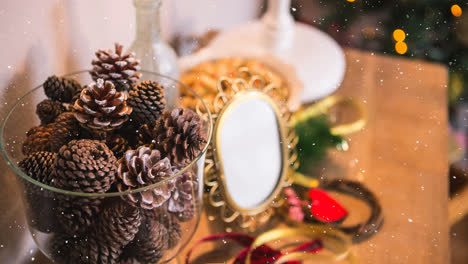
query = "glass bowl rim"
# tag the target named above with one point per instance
(17, 170)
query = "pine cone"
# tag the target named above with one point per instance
(145, 135)
(119, 223)
(117, 144)
(37, 139)
(61, 246)
(147, 101)
(129, 132)
(40, 203)
(151, 242)
(48, 111)
(143, 167)
(100, 108)
(64, 129)
(174, 230)
(169, 221)
(182, 202)
(61, 89)
(77, 214)
(115, 228)
(39, 166)
(90, 249)
(85, 166)
(179, 136)
(117, 68)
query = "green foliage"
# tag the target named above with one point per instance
(314, 140)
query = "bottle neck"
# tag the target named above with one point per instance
(147, 20)
(279, 8)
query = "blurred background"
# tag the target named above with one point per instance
(436, 31)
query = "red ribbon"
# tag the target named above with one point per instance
(261, 255)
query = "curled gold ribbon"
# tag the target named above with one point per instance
(332, 239)
(323, 106)
(308, 182)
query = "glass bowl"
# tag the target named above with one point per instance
(84, 227)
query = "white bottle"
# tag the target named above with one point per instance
(154, 53)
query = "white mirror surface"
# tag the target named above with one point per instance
(249, 141)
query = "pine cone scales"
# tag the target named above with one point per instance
(147, 101)
(48, 111)
(37, 139)
(61, 246)
(178, 135)
(85, 166)
(89, 250)
(117, 144)
(113, 229)
(39, 166)
(168, 220)
(76, 214)
(61, 89)
(182, 202)
(118, 224)
(101, 108)
(150, 243)
(116, 227)
(143, 167)
(64, 129)
(174, 231)
(41, 204)
(145, 134)
(120, 69)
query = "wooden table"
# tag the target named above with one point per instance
(401, 155)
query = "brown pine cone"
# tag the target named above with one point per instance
(117, 144)
(170, 222)
(61, 89)
(85, 166)
(145, 135)
(48, 111)
(61, 246)
(40, 203)
(91, 249)
(64, 129)
(100, 108)
(143, 167)
(151, 242)
(182, 202)
(77, 214)
(174, 230)
(39, 166)
(118, 223)
(115, 228)
(179, 136)
(121, 69)
(147, 101)
(37, 139)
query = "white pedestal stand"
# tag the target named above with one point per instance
(319, 61)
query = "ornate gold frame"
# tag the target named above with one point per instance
(231, 92)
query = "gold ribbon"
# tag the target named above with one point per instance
(334, 240)
(324, 105)
(308, 182)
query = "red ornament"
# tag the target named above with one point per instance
(324, 207)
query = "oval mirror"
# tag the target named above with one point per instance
(249, 147)
(248, 163)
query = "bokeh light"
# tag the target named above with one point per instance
(399, 35)
(456, 10)
(401, 47)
